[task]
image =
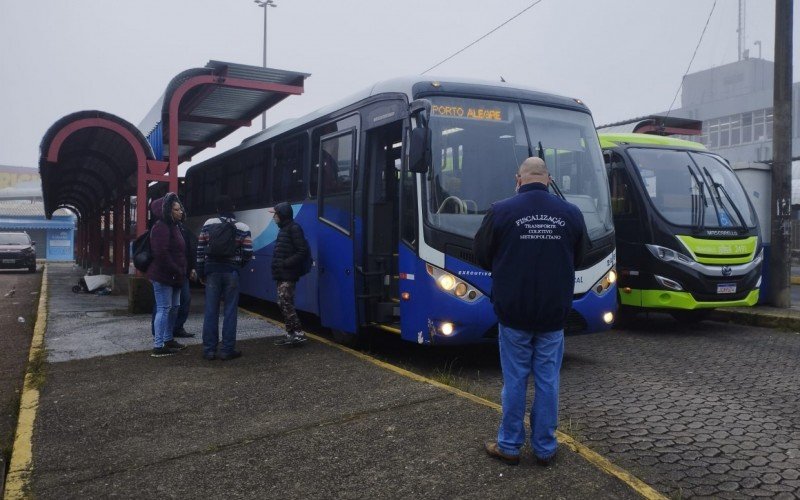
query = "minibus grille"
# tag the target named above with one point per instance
(720, 297)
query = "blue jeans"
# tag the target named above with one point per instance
(168, 299)
(183, 310)
(523, 352)
(220, 287)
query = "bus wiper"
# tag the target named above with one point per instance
(555, 187)
(552, 181)
(719, 187)
(701, 185)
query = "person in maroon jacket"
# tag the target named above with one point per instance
(167, 272)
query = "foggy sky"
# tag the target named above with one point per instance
(624, 58)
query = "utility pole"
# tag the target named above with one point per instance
(264, 4)
(780, 252)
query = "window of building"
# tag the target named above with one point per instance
(768, 123)
(747, 127)
(713, 133)
(758, 126)
(736, 129)
(724, 131)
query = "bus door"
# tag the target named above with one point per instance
(337, 306)
(629, 226)
(380, 295)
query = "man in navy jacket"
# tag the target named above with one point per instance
(531, 243)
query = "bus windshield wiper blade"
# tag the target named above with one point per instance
(701, 185)
(719, 187)
(556, 188)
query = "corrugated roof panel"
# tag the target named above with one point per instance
(216, 102)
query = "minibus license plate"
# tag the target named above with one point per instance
(726, 287)
(9, 261)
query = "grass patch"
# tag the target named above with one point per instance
(37, 369)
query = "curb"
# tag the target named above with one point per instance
(20, 466)
(761, 318)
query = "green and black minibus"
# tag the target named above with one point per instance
(687, 235)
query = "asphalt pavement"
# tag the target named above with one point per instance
(314, 421)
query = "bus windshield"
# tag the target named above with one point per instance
(479, 144)
(693, 189)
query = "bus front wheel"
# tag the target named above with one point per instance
(691, 317)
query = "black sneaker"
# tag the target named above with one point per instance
(161, 352)
(174, 344)
(284, 340)
(298, 338)
(182, 334)
(225, 356)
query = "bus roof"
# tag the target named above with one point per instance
(611, 140)
(412, 86)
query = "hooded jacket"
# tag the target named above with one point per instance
(291, 247)
(531, 243)
(167, 244)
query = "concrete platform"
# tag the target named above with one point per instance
(309, 422)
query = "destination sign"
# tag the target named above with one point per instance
(469, 112)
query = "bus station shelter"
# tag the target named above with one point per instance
(101, 167)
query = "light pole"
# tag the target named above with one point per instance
(264, 4)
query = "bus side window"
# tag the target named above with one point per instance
(335, 194)
(323, 130)
(620, 184)
(288, 183)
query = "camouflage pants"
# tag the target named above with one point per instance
(286, 303)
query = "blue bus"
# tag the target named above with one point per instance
(390, 186)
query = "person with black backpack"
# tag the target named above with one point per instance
(166, 271)
(289, 263)
(224, 246)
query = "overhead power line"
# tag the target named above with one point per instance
(484, 36)
(693, 56)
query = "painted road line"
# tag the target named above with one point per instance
(593, 457)
(21, 465)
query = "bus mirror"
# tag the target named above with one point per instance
(419, 150)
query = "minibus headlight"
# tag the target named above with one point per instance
(668, 254)
(668, 283)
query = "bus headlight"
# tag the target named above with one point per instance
(446, 282)
(452, 285)
(606, 281)
(668, 283)
(447, 329)
(668, 254)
